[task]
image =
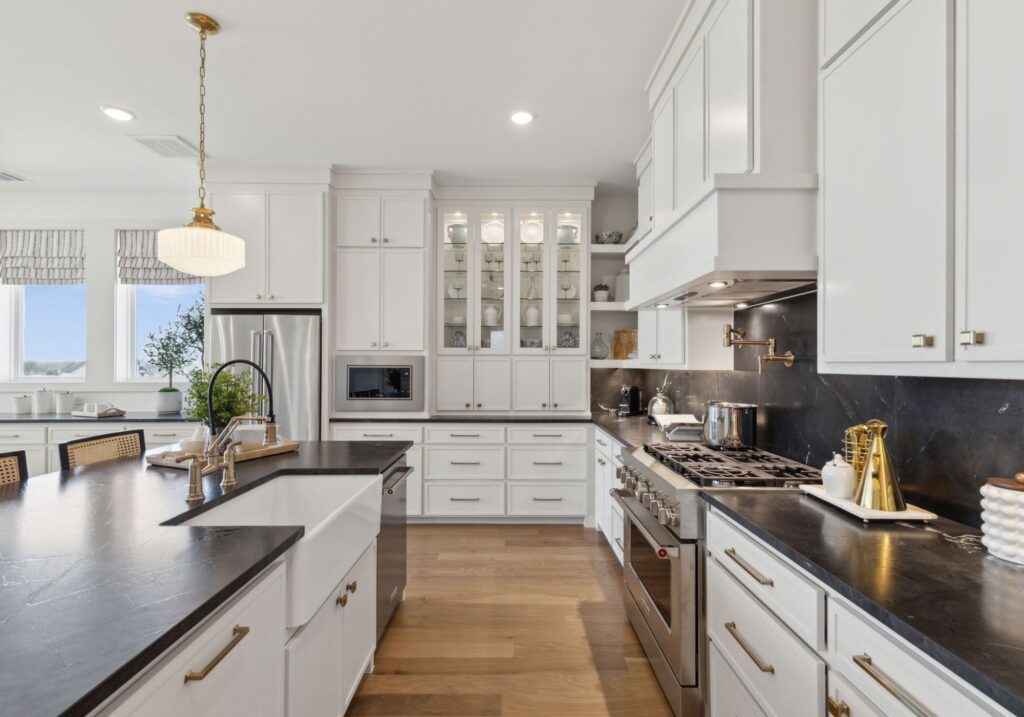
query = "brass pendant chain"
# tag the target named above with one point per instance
(202, 118)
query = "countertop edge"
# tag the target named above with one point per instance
(979, 680)
(164, 642)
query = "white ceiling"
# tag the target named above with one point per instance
(399, 84)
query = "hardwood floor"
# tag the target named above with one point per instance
(510, 620)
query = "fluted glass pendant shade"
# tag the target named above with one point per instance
(200, 247)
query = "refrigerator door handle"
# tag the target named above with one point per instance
(268, 363)
(256, 356)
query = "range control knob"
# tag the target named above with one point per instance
(667, 516)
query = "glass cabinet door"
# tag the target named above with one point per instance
(455, 282)
(531, 265)
(491, 264)
(568, 289)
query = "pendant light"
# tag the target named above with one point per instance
(200, 247)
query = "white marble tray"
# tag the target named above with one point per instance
(867, 514)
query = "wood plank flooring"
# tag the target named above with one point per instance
(510, 620)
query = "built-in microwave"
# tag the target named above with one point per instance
(379, 383)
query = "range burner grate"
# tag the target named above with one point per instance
(710, 467)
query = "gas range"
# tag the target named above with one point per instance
(730, 468)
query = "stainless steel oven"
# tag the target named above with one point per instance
(379, 383)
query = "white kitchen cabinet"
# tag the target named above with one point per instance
(844, 20)
(729, 88)
(35, 457)
(454, 389)
(645, 192)
(413, 457)
(284, 243)
(844, 696)
(249, 680)
(990, 150)
(377, 307)
(690, 142)
(531, 383)
(727, 696)
(663, 162)
(885, 285)
(555, 384)
(466, 383)
(359, 623)
(380, 221)
(661, 336)
(570, 380)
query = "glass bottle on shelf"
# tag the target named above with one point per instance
(455, 287)
(599, 348)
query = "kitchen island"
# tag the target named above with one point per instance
(98, 578)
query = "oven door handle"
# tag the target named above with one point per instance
(396, 477)
(665, 545)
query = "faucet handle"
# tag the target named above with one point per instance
(188, 456)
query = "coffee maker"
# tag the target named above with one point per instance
(630, 400)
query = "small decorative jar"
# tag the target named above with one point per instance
(1002, 517)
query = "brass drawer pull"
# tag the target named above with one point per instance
(11, 435)
(837, 708)
(864, 663)
(378, 435)
(601, 443)
(547, 463)
(341, 600)
(464, 435)
(731, 627)
(239, 633)
(465, 463)
(164, 435)
(352, 586)
(750, 569)
(547, 500)
(547, 435)
(464, 500)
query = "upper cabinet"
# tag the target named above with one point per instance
(381, 221)
(731, 182)
(283, 231)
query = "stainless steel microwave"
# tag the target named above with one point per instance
(379, 383)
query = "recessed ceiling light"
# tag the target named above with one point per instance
(718, 284)
(521, 117)
(742, 305)
(118, 114)
(661, 306)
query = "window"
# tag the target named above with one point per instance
(51, 322)
(146, 309)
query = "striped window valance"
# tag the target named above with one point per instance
(42, 256)
(137, 262)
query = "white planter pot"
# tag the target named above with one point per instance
(600, 296)
(168, 402)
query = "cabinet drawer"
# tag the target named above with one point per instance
(15, 434)
(464, 498)
(485, 463)
(785, 677)
(36, 457)
(62, 435)
(465, 434)
(870, 659)
(793, 598)
(165, 435)
(547, 498)
(548, 434)
(377, 433)
(606, 444)
(841, 692)
(617, 532)
(565, 463)
(248, 680)
(726, 694)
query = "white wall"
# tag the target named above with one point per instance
(99, 214)
(614, 212)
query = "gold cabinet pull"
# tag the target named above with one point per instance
(341, 600)
(547, 463)
(864, 662)
(922, 341)
(464, 500)
(748, 568)
(731, 627)
(837, 708)
(351, 587)
(972, 338)
(547, 500)
(239, 633)
(464, 435)
(465, 463)
(548, 435)
(378, 435)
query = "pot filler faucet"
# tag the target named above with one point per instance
(222, 451)
(734, 337)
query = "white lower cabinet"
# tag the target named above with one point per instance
(543, 384)
(473, 383)
(464, 498)
(561, 462)
(607, 513)
(471, 462)
(845, 699)
(552, 498)
(727, 695)
(250, 677)
(327, 657)
(392, 432)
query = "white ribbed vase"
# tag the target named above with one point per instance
(1002, 516)
(200, 251)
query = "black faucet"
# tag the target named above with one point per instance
(213, 379)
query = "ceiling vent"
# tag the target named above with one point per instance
(167, 145)
(10, 177)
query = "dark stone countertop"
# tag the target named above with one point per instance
(632, 432)
(128, 417)
(934, 585)
(96, 582)
(465, 419)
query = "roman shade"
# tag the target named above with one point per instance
(42, 256)
(137, 261)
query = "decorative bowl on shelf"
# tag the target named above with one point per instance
(608, 237)
(457, 233)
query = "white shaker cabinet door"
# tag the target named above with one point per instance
(645, 202)
(886, 246)
(729, 89)
(402, 297)
(671, 336)
(727, 695)
(454, 383)
(690, 130)
(414, 483)
(990, 213)
(313, 658)
(530, 383)
(403, 223)
(359, 623)
(242, 214)
(569, 383)
(491, 380)
(295, 245)
(358, 300)
(647, 336)
(844, 20)
(663, 165)
(357, 221)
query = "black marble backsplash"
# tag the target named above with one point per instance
(946, 435)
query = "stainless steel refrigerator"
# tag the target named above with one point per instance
(286, 345)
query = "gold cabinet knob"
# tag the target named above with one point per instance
(971, 338)
(922, 341)
(373, 240)
(352, 586)
(341, 600)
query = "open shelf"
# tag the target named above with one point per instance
(614, 363)
(609, 306)
(607, 249)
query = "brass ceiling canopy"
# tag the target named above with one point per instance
(202, 22)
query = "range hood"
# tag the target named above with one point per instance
(750, 237)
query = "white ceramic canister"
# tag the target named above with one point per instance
(839, 478)
(21, 404)
(63, 402)
(42, 401)
(1002, 522)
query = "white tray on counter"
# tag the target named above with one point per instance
(867, 514)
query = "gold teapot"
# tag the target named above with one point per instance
(878, 486)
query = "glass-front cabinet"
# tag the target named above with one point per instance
(473, 265)
(550, 281)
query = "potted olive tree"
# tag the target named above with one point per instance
(169, 351)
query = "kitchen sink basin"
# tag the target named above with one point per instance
(341, 515)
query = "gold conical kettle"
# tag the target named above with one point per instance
(878, 487)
